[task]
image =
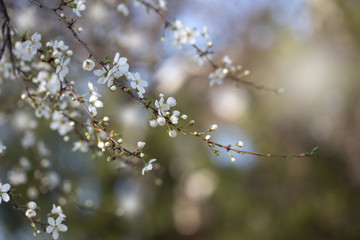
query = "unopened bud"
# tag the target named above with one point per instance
(69, 53)
(240, 144)
(213, 127)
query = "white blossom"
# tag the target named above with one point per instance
(174, 119)
(88, 65)
(123, 9)
(141, 144)
(183, 35)
(83, 146)
(34, 44)
(95, 103)
(138, 83)
(217, 77)
(43, 150)
(153, 123)
(161, 121)
(93, 90)
(111, 75)
(60, 123)
(213, 127)
(162, 4)
(226, 61)
(163, 106)
(56, 226)
(22, 52)
(28, 140)
(205, 33)
(148, 166)
(58, 48)
(32, 205)
(50, 180)
(62, 70)
(79, 6)
(4, 189)
(30, 213)
(17, 176)
(172, 133)
(240, 144)
(57, 210)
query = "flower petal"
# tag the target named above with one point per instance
(49, 229)
(5, 188)
(5, 197)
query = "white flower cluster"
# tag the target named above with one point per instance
(59, 51)
(183, 35)
(56, 222)
(221, 73)
(163, 108)
(95, 103)
(120, 68)
(61, 123)
(6, 69)
(31, 211)
(26, 51)
(46, 82)
(79, 5)
(137, 83)
(203, 55)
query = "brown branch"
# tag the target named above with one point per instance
(153, 109)
(236, 79)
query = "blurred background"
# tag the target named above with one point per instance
(309, 47)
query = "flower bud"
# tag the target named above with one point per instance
(240, 144)
(172, 133)
(153, 123)
(141, 144)
(32, 205)
(161, 121)
(213, 127)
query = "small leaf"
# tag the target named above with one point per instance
(315, 149)
(149, 102)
